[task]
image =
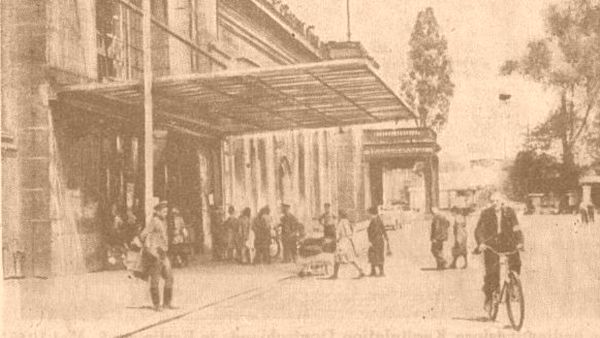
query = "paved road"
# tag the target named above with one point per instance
(561, 276)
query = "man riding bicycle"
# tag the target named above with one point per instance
(497, 228)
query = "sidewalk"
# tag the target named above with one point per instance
(108, 304)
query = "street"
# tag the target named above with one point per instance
(561, 279)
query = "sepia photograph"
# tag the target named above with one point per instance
(300, 168)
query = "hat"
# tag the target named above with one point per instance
(160, 205)
(373, 210)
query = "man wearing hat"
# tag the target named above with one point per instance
(154, 237)
(291, 230)
(379, 240)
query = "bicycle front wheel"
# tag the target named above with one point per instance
(515, 302)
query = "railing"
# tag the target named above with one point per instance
(400, 135)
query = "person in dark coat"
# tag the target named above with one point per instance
(291, 230)
(378, 238)
(439, 234)
(262, 233)
(231, 228)
(216, 230)
(327, 220)
(497, 228)
(591, 212)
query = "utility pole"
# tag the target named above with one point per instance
(348, 20)
(148, 114)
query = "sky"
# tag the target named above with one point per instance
(481, 34)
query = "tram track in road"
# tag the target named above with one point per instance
(243, 295)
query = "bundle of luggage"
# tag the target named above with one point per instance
(316, 255)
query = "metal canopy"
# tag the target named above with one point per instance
(314, 95)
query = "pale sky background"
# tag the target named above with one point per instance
(481, 34)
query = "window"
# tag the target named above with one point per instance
(119, 40)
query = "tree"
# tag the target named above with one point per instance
(534, 173)
(568, 61)
(427, 87)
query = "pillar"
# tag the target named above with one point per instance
(308, 176)
(271, 168)
(248, 196)
(586, 195)
(295, 200)
(435, 182)
(256, 174)
(322, 168)
(333, 169)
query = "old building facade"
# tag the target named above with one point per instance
(250, 109)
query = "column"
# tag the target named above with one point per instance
(295, 200)
(270, 160)
(428, 173)
(332, 167)
(322, 168)
(148, 113)
(308, 181)
(436, 182)
(256, 174)
(247, 196)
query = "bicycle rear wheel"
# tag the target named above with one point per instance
(515, 302)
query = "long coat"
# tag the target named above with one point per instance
(439, 228)
(377, 238)
(487, 229)
(344, 252)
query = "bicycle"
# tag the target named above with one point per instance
(509, 290)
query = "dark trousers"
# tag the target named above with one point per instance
(161, 268)
(262, 254)
(492, 270)
(437, 250)
(290, 250)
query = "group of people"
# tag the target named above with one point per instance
(248, 240)
(497, 228)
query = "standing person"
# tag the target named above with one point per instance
(590, 212)
(345, 252)
(262, 232)
(231, 227)
(216, 230)
(327, 220)
(583, 214)
(154, 237)
(378, 238)
(180, 239)
(439, 234)
(246, 235)
(460, 236)
(291, 231)
(497, 228)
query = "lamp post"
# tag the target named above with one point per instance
(505, 99)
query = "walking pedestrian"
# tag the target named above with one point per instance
(231, 227)
(262, 232)
(460, 236)
(154, 237)
(439, 234)
(583, 214)
(247, 237)
(291, 231)
(345, 251)
(379, 239)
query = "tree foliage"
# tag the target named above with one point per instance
(568, 61)
(534, 172)
(428, 87)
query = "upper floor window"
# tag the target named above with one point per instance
(119, 39)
